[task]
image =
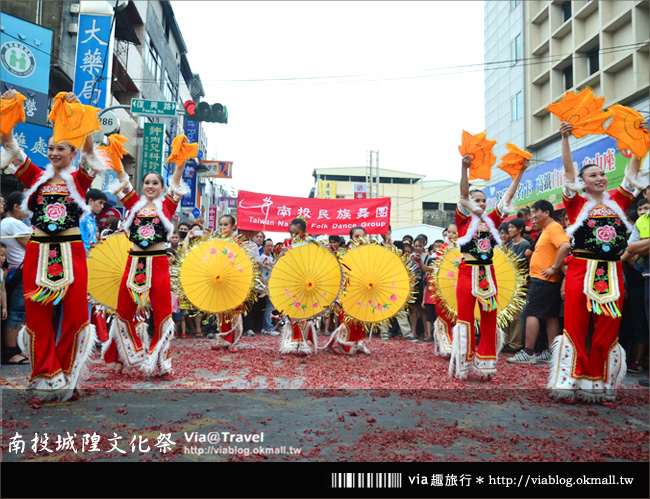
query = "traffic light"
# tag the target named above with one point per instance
(215, 113)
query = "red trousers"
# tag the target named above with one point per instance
(57, 367)
(299, 337)
(129, 338)
(348, 338)
(591, 374)
(464, 352)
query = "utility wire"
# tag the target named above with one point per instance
(484, 66)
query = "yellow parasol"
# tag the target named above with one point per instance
(217, 275)
(305, 281)
(510, 278)
(378, 283)
(106, 264)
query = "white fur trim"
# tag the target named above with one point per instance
(180, 190)
(639, 181)
(571, 188)
(159, 212)
(119, 185)
(471, 230)
(78, 373)
(156, 357)
(340, 339)
(66, 175)
(118, 334)
(237, 329)
(10, 152)
(458, 365)
(470, 205)
(8, 157)
(441, 338)
(505, 208)
(590, 205)
(133, 212)
(98, 161)
(163, 218)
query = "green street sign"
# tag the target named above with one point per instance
(142, 107)
(152, 150)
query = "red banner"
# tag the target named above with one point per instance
(269, 212)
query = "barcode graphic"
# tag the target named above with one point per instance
(366, 480)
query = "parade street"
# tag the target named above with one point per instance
(397, 404)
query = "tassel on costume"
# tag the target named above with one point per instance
(44, 296)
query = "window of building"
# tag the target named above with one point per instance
(567, 75)
(151, 58)
(517, 107)
(593, 61)
(167, 87)
(514, 3)
(515, 50)
(566, 11)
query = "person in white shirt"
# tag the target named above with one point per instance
(12, 228)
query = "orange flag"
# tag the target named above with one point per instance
(584, 111)
(626, 128)
(12, 112)
(480, 149)
(513, 162)
(181, 151)
(73, 122)
(115, 151)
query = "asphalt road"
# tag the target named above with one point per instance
(256, 404)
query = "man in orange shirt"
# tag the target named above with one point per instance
(544, 299)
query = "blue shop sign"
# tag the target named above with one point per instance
(35, 106)
(189, 177)
(93, 59)
(25, 53)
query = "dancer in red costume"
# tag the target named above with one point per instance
(594, 288)
(477, 236)
(445, 322)
(349, 337)
(298, 336)
(230, 327)
(54, 269)
(146, 283)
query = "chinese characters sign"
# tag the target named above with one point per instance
(326, 189)
(93, 61)
(217, 169)
(212, 218)
(142, 107)
(545, 181)
(152, 150)
(360, 191)
(332, 216)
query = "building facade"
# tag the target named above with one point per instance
(404, 189)
(148, 61)
(550, 47)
